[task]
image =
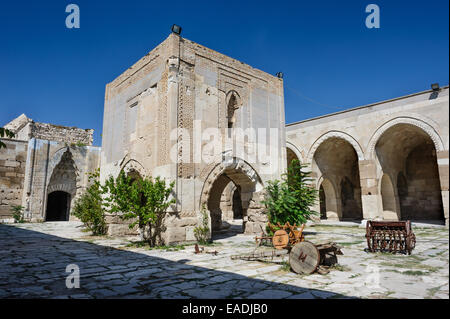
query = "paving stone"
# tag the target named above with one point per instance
(270, 294)
(305, 295)
(107, 272)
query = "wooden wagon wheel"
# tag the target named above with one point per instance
(280, 239)
(304, 258)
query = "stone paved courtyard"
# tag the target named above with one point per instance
(33, 259)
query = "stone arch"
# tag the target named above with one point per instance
(132, 165)
(233, 94)
(418, 122)
(293, 152)
(233, 103)
(62, 180)
(335, 134)
(405, 150)
(243, 175)
(389, 199)
(330, 204)
(336, 160)
(56, 159)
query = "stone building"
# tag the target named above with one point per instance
(160, 113)
(216, 127)
(44, 168)
(387, 160)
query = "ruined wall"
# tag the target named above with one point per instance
(26, 129)
(69, 135)
(12, 172)
(47, 158)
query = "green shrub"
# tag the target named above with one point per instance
(89, 209)
(146, 200)
(201, 232)
(17, 212)
(290, 200)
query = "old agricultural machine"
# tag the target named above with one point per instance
(304, 256)
(390, 236)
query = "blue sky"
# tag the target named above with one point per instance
(330, 60)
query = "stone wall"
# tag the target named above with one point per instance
(55, 166)
(57, 133)
(12, 172)
(422, 198)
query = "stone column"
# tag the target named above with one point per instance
(443, 162)
(370, 196)
(255, 220)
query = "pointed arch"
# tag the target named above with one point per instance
(420, 123)
(335, 134)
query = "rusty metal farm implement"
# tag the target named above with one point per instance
(304, 256)
(390, 236)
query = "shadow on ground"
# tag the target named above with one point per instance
(34, 264)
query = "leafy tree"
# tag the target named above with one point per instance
(5, 133)
(145, 200)
(89, 206)
(290, 200)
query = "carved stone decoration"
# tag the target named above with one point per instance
(163, 122)
(64, 175)
(60, 156)
(185, 119)
(235, 86)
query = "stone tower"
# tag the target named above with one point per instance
(202, 119)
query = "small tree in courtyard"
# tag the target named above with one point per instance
(146, 200)
(201, 231)
(89, 209)
(290, 200)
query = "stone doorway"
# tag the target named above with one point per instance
(219, 221)
(328, 201)
(336, 161)
(238, 212)
(58, 206)
(247, 212)
(322, 203)
(62, 189)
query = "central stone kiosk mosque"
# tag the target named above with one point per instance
(386, 161)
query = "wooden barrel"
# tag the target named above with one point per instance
(304, 258)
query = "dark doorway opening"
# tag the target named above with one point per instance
(58, 204)
(237, 204)
(322, 200)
